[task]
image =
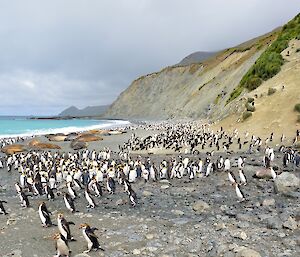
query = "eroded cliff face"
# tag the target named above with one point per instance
(192, 91)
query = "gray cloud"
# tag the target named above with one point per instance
(76, 52)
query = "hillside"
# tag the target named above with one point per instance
(218, 88)
(192, 91)
(195, 58)
(87, 111)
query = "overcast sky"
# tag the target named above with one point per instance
(58, 53)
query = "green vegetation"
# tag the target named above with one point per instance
(270, 62)
(247, 115)
(297, 108)
(271, 91)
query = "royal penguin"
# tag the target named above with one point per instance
(24, 200)
(69, 202)
(44, 215)
(90, 237)
(49, 192)
(64, 228)
(61, 246)
(2, 209)
(231, 177)
(111, 185)
(132, 197)
(71, 191)
(239, 193)
(88, 197)
(243, 178)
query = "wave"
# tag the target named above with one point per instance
(66, 130)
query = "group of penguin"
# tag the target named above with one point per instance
(67, 174)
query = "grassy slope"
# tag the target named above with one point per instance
(270, 62)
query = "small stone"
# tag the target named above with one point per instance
(149, 236)
(200, 206)
(136, 252)
(178, 212)
(238, 234)
(164, 186)
(248, 253)
(119, 202)
(274, 223)
(82, 255)
(291, 223)
(152, 249)
(268, 202)
(11, 222)
(147, 193)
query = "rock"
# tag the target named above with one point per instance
(120, 202)
(200, 206)
(14, 253)
(248, 253)
(11, 222)
(82, 255)
(291, 223)
(274, 223)
(238, 234)
(116, 132)
(286, 182)
(164, 186)
(76, 145)
(268, 202)
(263, 173)
(147, 193)
(178, 212)
(136, 252)
(149, 236)
(13, 149)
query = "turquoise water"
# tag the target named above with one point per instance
(22, 126)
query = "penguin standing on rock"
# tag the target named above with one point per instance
(2, 209)
(61, 246)
(64, 228)
(90, 237)
(44, 215)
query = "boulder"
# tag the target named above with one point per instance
(263, 173)
(115, 132)
(200, 206)
(13, 149)
(286, 182)
(247, 252)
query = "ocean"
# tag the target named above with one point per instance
(13, 126)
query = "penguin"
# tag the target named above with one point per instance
(49, 192)
(111, 185)
(18, 188)
(242, 177)
(239, 193)
(97, 188)
(24, 200)
(132, 197)
(69, 202)
(273, 173)
(64, 228)
(44, 215)
(2, 209)
(90, 237)
(231, 177)
(71, 191)
(61, 246)
(89, 198)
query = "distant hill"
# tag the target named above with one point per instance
(196, 57)
(87, 111)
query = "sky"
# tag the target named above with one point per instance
(58, 53)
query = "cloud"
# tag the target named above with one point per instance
(75, 52)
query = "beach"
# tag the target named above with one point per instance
(174, 217)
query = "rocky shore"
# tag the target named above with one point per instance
(173, 218)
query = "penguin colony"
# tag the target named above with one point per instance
(58, 176)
